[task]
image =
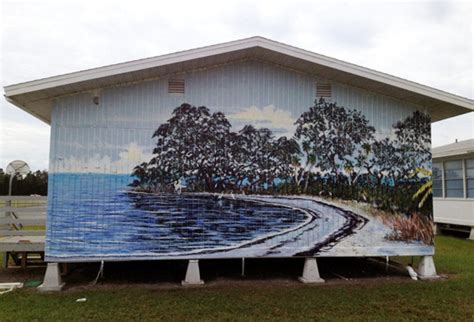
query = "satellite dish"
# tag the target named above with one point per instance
(16, 168)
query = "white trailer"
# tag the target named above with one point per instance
(453, 186)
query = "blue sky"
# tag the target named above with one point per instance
(429, 42)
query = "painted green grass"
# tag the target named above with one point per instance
(446, 300)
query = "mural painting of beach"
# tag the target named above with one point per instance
(207, 183)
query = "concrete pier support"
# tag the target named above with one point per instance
(52, 279)
(193, 277)
(471, 235)
(426, 268)
(311, 272)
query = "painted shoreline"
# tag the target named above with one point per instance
(330, 231)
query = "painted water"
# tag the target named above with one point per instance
(97, 216)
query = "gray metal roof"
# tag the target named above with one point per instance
(454, 149)
(35, 97)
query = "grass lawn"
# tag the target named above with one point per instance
(447, 300)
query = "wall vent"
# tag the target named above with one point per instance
(323, 90)
(176, 86)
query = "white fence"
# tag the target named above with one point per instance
(22, 215)
(22, 227)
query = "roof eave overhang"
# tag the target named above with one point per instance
(27, 95)
(28, 110)
(453, 154)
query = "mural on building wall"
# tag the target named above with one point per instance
(329, 184)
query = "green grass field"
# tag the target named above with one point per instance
(445, 300)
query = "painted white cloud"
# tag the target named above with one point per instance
(128, 158)
(279, 121)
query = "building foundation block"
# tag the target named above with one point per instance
(311, 272)
(471, 235)
(193, 276)
(426, 268)
(52, 279)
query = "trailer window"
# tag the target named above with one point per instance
(470, 177)
(453, 177)
(437, 180)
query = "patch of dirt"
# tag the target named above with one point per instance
(21, 275)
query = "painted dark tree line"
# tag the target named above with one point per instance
(334, 152)
(196, 147)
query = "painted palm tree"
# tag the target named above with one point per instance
(426, 189)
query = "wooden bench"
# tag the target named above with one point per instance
(22, 229)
